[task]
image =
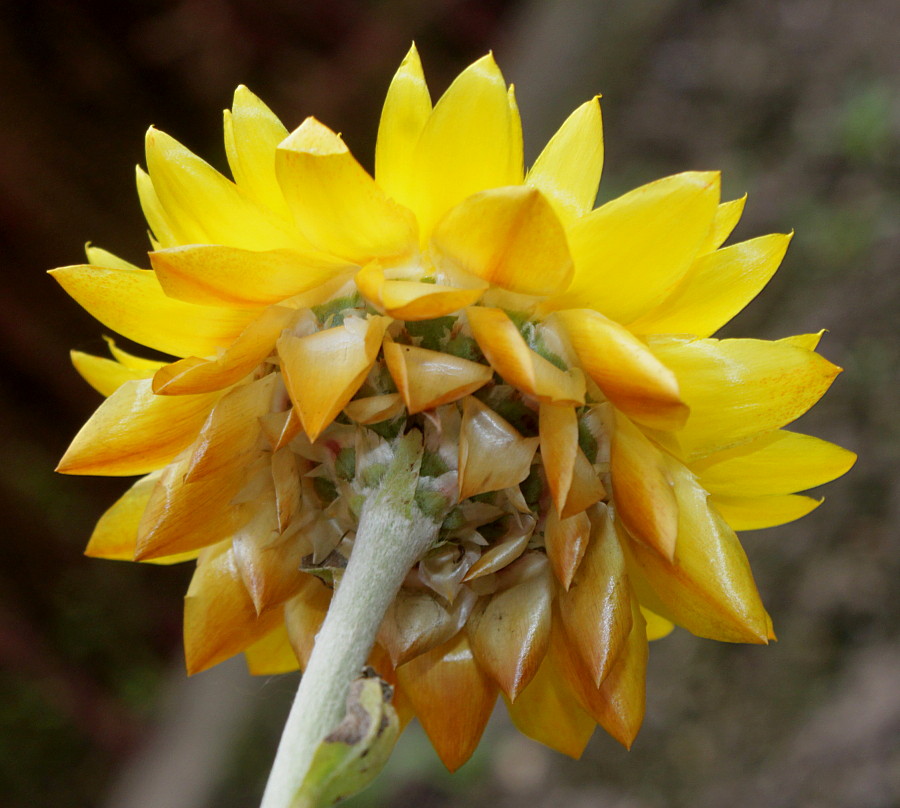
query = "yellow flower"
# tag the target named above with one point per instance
(590, 449)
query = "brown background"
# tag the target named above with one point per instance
(796, 100)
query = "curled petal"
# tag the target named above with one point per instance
(645, 500)
(505, 551)
(252, 346)
(779, 462)
(335, 202)
(414, 300)
(426, 379)
(509, 631)
(596, 610)
(132, 303)
(509, 237)
(509, 354)
(272, 654)
(586, 488)
(105, 375)
(323, 371)
(403, 116)
(738, 389)
(373, 409)
(492, 454)
(708, 587)
(559, 446)
(252, 133)
(629, 253)
(568, 169)
(219, 618)
(566, 541)
(135, 431)
(624, 368)
(211, 275)
(755, 513)
(449, 675)
(716, 288)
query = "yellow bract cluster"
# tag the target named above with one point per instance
(590, 448)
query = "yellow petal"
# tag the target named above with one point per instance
(453, 698)
(323, 371)
(516, 140)
(135, 431)
(406, 109)
(506, 350)
(596, 610)
(115, 536)
(164, 232)
(738, 389)
(252, 133)
(272, 654)
(227, 276)
(414, 300)
(624, 368)
(374, 409)
(645, 501)
(708, 588)
(130, 360)
(754, 513)
(245, 354)
(657, 626)
(304, 615)
(492, 454)
(568, 169)
(287, 470)
(780, 462)
(509, 631)
(547, 711)
(104, 258)
(566, 541)
(335, 202)
(208, 208)
(219, 618)
(132, 303)
(728, 214)
(630, 253)
(426, 379)
(466, 144)
(509, 237)
(716, 288)
(183, 517)
(105, 375)
(558, 427)
(231, 431)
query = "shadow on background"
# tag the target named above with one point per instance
(796, 100)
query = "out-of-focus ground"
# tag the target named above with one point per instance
(798, 101)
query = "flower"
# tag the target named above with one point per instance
(590, 448)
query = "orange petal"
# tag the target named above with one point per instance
(586, 488)
(374, 409)
(453, 698)
(596, 610)
(135, 431)
(504, 552)
(336, 204)
(323, 371)
(630, 376)
(559, 446)
(492, 454)
(509, 631)
(231, 432)
(426, 379)
(211, 275)
(303, 616)
(566, 541)
(508, 353)
(115, 536)
(286, 473)
(645, 501)
(708, 588)
(547, 711)
(415, 300)
(219, 618)
(509, 237)
(272, 654)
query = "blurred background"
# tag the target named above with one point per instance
(797, 101)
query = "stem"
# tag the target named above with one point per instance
(391, 537)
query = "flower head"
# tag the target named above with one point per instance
(590, 449)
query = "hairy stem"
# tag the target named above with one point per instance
(391, 537)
